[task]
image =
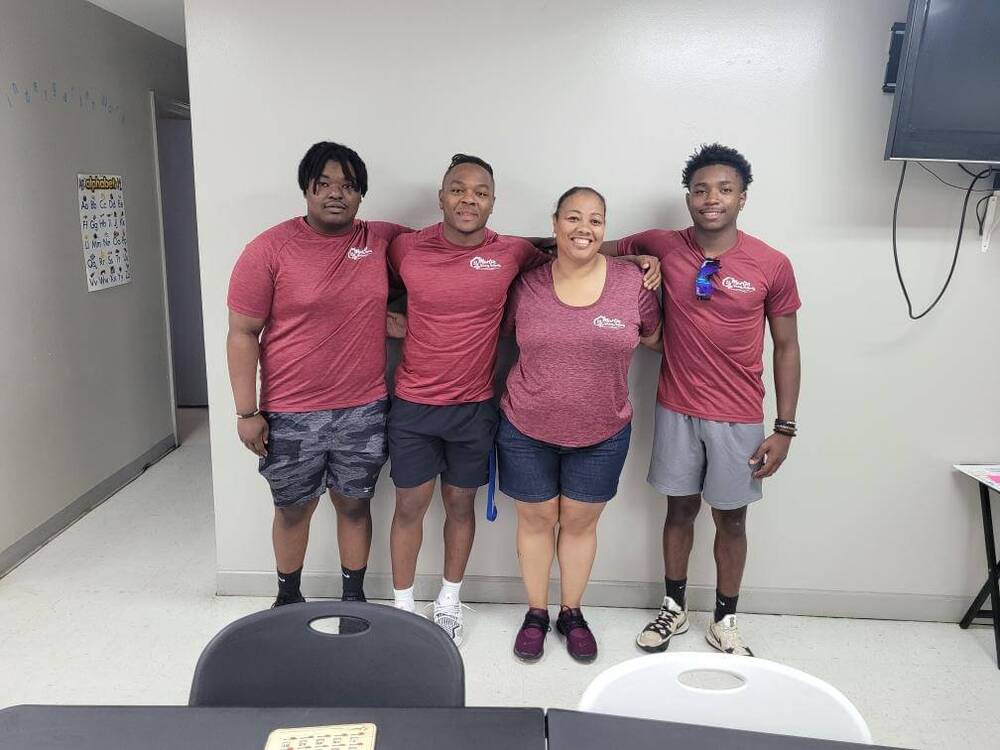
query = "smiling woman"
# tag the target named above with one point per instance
(566, 416)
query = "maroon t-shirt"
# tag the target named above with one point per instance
(569, 385)
(455, 303)
(713, 349)
(323, 300)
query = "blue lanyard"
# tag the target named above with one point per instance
(491, 487)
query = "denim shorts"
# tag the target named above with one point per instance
(533, 471)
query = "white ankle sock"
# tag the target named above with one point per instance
(449, 592)
(403, 599)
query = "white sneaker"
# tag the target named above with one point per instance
(405, 606)
(724, 636)
(448, 617)
(670, 621)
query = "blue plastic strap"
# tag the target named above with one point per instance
(491, 488)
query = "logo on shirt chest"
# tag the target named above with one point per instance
(602, 321)
(357, 253)
(484, 264)
(730, 282)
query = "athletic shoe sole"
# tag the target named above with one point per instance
(663, 646)
(580, 659)
(528, 658)
(710, 639)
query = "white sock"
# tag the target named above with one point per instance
(449, 592)
(403, 599)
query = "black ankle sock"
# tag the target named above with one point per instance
(288, 584)
(354, 582)
(724, 605)
(676, 590)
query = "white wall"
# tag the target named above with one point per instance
(83, 377)
(867, 517)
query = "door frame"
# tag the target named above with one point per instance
(159, 107)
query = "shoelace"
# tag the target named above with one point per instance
(453, 611)
(572, 620)
(733, 635)
(532, 620)
(661, 625)
(449, 613)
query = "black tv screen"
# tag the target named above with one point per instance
(947, 101)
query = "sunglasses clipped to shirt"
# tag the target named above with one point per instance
(703, 284)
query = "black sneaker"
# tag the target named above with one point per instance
(349, 596)
(282, 600)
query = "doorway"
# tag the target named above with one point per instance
(180, 241)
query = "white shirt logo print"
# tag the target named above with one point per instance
(602, 321)
(357, 253)
(484, 264)
(738, 286)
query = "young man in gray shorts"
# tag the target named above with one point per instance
(307, 301)
(720, 285)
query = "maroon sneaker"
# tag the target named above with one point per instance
(530, 641)
(579, 640)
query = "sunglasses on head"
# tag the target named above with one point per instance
(703, 284)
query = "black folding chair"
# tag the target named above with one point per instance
(382, 656)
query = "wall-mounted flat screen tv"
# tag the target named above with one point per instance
(947, 101)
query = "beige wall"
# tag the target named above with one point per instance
(83, 377)
(866, 517)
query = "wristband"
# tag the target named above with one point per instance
(786, 427)
(785, 424)
(254, 413)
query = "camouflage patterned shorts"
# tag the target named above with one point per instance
(340, 449)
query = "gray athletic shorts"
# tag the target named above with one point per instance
(338, 449)
(694, 456)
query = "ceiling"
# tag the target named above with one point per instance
(163, 17)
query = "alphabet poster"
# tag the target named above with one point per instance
(101, 198)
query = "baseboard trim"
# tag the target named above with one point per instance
(503, 589)
(34, 540)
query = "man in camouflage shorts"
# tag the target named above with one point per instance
(307, 301)
(340, 448)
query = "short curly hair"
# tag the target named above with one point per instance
(716, 153)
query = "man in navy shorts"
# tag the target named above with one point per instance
(443, 419)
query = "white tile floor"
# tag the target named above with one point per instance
(117, 608)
